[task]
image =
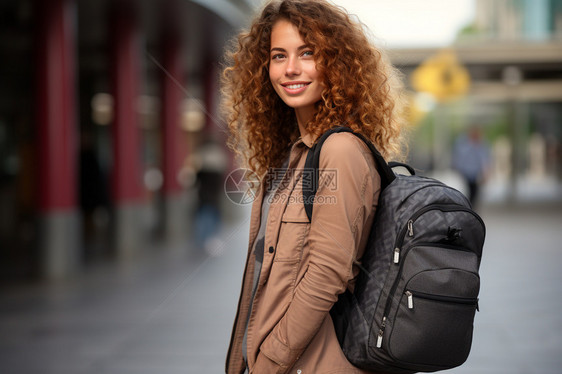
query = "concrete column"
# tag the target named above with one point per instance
(56, 138)
(174, 142)
(126, 176)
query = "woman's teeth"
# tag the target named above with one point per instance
(295, 86)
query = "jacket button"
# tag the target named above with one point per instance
(271, 249)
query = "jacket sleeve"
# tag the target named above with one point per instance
(340, 212)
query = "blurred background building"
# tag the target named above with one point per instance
(101, 105)
(502, 74)
(105, 104)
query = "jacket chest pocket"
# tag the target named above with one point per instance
(293, 233)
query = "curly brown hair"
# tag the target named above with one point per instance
(361, 88)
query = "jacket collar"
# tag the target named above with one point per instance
(308, 139)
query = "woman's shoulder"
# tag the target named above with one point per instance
(351, 160)
(345, 147)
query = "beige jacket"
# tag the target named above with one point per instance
(306, 266)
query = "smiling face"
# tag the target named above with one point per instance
(292, 71)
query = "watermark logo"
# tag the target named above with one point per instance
(299, 198)
(240, 186)
(276, 179)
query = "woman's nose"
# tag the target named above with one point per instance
(293, 66)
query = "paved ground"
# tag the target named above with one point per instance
(172, 312)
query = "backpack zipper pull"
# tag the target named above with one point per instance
(381, 332)
(410, 228)
(396, 255)
(379, 339)
(410, 299)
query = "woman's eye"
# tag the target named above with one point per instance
(277, 56)
(308, 53)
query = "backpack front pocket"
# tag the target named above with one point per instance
(434, 318)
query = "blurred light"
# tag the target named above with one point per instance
(102, 109)
(193, 116)
(153, 179)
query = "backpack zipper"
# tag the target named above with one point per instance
(409, 228)
(410, 231)
(381, 332)
(440, 298)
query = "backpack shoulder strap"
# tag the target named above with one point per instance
(313, 161)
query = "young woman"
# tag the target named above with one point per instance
(304, 67)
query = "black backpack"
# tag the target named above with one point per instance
(416, 296)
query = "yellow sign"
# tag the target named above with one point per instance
(442, 76)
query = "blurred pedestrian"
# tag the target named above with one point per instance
(211, 163)
(302, 68)
(471, 158)
(93, 192)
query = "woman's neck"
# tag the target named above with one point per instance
(304, 115)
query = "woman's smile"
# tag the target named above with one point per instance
(295, 88)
